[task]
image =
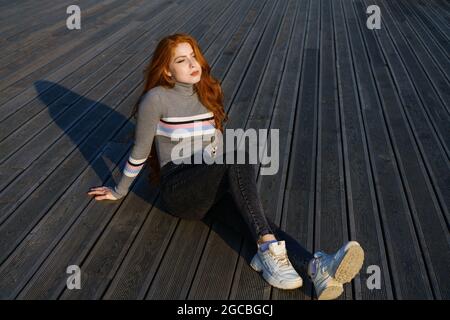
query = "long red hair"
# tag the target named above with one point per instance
(208, 89)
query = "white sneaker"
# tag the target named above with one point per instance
(276, 268)
(327, 288)
(329, 272)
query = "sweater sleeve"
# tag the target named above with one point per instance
(148, 116)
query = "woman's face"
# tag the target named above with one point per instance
(184, 66)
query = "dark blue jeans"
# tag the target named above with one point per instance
(189, 191)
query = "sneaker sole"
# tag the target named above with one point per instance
(257, 266)
(331, 293)
(351, 263)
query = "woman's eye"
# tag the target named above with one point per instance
(183, 59)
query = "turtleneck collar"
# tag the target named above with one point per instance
(186, 89)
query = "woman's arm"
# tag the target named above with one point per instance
(149, 114)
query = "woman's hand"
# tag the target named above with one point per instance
(101, 193)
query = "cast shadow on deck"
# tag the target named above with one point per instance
(223, 217)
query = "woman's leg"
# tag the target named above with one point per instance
(298, 255)
(192, 190)
(242, 186)
(322, 269)
(188, 191)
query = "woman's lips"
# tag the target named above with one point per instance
(195, 73)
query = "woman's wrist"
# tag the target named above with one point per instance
(116, 194)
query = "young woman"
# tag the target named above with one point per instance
(180, 100)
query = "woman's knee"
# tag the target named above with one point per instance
(185, 213)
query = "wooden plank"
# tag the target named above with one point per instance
(32, 19)
(274, 110)
(97, 284)
(57, 75)
(106, 254)
(213, 275)
(21, 66)
(364, 220)
(37, 112)
(57, 58)
(49, 188)
(49, 280)
(435, 28)
(50, 32)
(230, 87)
(433, 105)
(402, 245)
(298, 201)
(430, 226)
(31, 254)
(45, 136)
(27, 105)
(439, 14)
(392, 164)
(45, 282)
(330, 221)
(11, 14)
(125, 78)
(41, 37)
(118, 290)
(425, 57)
(25, 254)
(442, 4)
(188, 266)
(79, 110)
(435, 157)
(57, 14)
(167, 285)
(440, 10)
(217, 265)
(7, 9)
(436, 52)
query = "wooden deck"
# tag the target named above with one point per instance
(364, 118)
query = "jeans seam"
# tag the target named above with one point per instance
(255, 221)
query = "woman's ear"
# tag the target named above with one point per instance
(168, 73)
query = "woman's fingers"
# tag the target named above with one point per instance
(96, 192)
(98, 189)
(101, 198)
(101, 193)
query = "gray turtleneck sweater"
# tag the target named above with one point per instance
(174, 117)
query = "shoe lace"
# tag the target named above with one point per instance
(322, 264)
(320, 261)
(281, 259)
